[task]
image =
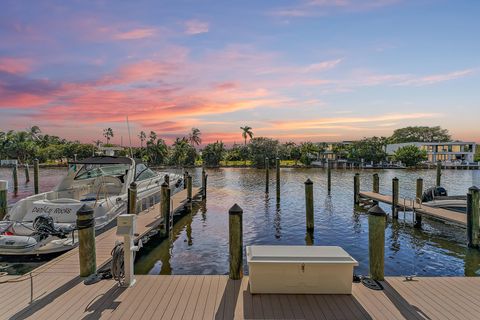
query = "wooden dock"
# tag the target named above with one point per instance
(55, 291)
(410, 205)
(216, 297)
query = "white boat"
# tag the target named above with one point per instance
(46, 223)
(437, 197)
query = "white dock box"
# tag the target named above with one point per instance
(300, 269)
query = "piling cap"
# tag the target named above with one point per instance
(473, 189)
(395, 178)
(235, 210)
(133, 185)
(308, 181)
(377, 211)
(85, 210)
(164, 184)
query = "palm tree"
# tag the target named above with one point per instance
(143, 137)
(33, 132)
(246, 132)
(194, 137)
(152, 137)
(97, 143)
(108, 134)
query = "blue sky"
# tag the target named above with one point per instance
(319, 70)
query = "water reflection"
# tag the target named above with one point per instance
(277, 222)
(199, 245)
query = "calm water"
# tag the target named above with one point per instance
(200, 240)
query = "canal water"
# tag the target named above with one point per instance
(199, 244)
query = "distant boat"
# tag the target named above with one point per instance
(46, 223)
(437, 197)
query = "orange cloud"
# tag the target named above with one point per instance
(323, 123)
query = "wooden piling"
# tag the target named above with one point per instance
(35, 176)
(86, 241)
(356, 189)
(309, 205)
(3, 198)
(185, 175)
(277, 167)
(267, 175)
(473, 215)
(27, 173)
(376, 242)
(189, 188)
(376, 183)
(418, 200)
(439, 173)
(204, 184)
(165, 209)
(235, 228)
(15, 179)
(132, 198)
(166, 179)
(329, 177)
(395, 198)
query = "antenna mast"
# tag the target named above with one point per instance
(129, 138)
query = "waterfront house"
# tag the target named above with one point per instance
(447, 152)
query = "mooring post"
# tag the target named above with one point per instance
(132, 198)
(166, 179)
(15, 179)
(267, 174)
(356, 189)
(329, 177)
(204, 184)
(35, 176)
(395, 198)
(165, 209)
(185, 175)
(277, 167)
(235, 228)
(376, 242)
(376, 183)
(418, 200)
(309, 205)
(473, 214)
(86, 241)
(439, 173)
(27, 173)
(3, 198)
(189, 188)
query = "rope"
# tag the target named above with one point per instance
(117, 265)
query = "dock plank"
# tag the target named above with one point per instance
(201, 297)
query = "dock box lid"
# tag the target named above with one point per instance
(298, 254)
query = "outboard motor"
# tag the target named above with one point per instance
(44, 227)
(178, 183)
(431, 193)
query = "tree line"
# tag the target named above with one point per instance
(185, 151)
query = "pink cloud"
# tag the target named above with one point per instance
(311, 8)
(193, 27)
(135, 34)
(436, 78)
(15, 65)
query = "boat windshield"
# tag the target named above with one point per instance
(89, 171)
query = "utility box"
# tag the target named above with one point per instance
(126, 225)
(300, 269)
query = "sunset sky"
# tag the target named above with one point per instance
(318, 70)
